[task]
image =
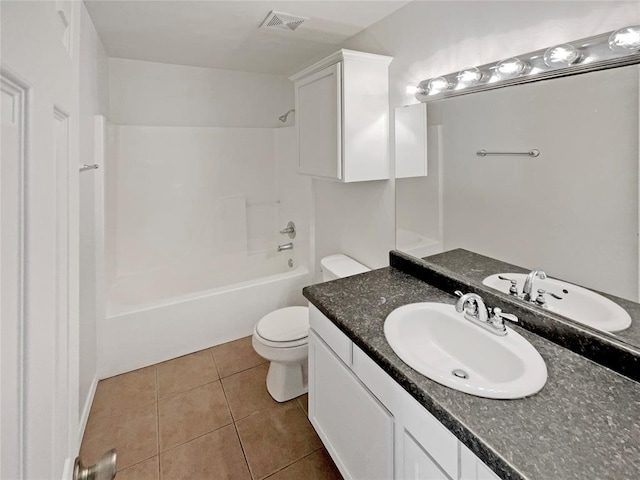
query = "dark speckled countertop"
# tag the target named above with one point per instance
(584, 424)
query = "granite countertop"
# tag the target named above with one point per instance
(584, 423)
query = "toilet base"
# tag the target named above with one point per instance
(287, 381)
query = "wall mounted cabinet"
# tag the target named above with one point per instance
(370, 425)
(342, 109)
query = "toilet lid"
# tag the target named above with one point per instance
(285, 325)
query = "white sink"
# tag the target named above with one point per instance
(579, 304)
(441, 344)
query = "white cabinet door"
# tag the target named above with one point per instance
(319, 123)
(416, 463)
(354, 427)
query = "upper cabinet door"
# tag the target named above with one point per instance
(319, 123)
(342, 108)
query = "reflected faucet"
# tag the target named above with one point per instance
(528, 284)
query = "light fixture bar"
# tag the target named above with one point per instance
(599, 52)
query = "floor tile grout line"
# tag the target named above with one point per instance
(135, 464)
(215, 364)
(158, 422)
(244, 370)
(289, 464)
(235, 427)
(172, 395)
(194, 438)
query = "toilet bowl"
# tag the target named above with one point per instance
(282, 336)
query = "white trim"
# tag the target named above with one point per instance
(19, 90)
(82, 425)
(67, 471)
(340, 56)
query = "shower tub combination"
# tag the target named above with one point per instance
(193, 216)
(156, 316)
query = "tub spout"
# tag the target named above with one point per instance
(286, 246)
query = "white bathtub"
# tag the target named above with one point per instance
(156, 316)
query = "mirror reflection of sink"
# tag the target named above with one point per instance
(438, 342)
(578, 304)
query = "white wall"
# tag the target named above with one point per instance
(148, 93)
(426, 39)
(94, 100)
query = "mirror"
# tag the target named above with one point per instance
(571, 211)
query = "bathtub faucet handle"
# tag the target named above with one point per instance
(290, 230)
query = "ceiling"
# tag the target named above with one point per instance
(225, 34)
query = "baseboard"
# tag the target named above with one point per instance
(87, 409)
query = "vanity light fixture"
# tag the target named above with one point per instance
(561, 56)
(437, 85)
(607, 50)
(469, 76)
(509, 68)
(625, 39)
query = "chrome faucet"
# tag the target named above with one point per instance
(286, 246)
(476, 311)
(528, 284)
(473, 306)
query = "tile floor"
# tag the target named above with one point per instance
(204, 416)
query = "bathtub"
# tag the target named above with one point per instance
(158, 315)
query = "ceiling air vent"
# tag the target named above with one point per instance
(282, 21)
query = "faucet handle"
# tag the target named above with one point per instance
(497, 319)
(541, 301)
(513, 289)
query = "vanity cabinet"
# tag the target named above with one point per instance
(372, 428)
(342, 105)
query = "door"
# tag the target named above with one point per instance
(354, 427)
(38, 241)
(319, 123)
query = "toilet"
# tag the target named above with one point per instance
(282, 336)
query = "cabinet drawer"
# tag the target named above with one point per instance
(331, 334)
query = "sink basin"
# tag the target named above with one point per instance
(578, 304)
(438, 342)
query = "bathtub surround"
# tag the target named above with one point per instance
(573, 413)
(201, 179)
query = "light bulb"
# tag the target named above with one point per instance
(469, 77)
(411, 90)
(626, 39)
(561, 56)
(509, 68)
(437, 85)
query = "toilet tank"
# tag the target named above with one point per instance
(340, 266)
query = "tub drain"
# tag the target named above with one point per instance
(460, 373)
